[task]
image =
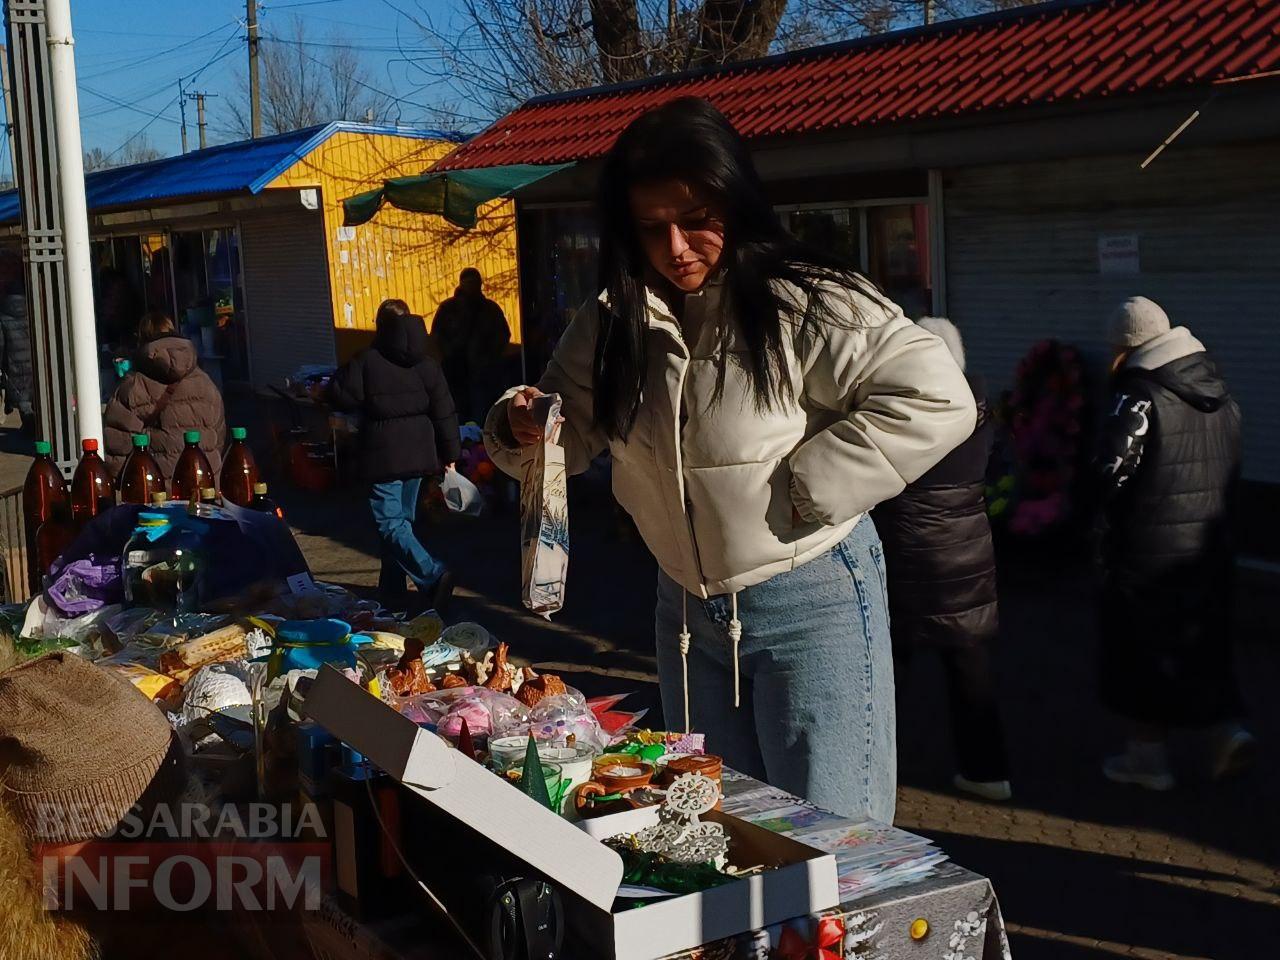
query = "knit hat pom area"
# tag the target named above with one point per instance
(1136, 321)
(79, 748)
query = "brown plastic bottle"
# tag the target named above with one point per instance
(239, 471)
(140, 477)
(192, 473)
(43, 490)
(92, 491)
(52, 540)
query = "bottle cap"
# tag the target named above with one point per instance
(43, 448)
(159, 497)
(89, 444)
(239, 433)
(141, 441)
(259, 489)
(191, 436)
(208, 493)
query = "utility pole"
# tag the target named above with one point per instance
(255, 102)
(929, 13)
(182, 112)
(199, 96)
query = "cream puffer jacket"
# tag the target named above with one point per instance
(878, 401)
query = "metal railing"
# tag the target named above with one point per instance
(13, 543)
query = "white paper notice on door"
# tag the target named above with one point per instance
(1118, 253)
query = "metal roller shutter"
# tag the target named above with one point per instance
(286, 281)
(1022, 264)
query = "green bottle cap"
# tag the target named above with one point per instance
(191, 436)
(239, 433)
(44, 448)
(141, 441)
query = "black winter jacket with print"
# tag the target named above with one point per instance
(409, 426)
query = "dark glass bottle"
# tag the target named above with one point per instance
(264, 504)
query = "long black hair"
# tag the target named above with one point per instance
(690, 141)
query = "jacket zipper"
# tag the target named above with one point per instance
(680, 478)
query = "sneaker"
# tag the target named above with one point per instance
(1143, 764)
(996, 791)
(1234, 750)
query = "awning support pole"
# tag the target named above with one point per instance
(75, 219)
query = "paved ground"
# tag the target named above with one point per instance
(1085, 870)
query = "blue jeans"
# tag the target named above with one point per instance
(394, 505)
(817, 716)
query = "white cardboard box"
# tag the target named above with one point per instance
(802, 880)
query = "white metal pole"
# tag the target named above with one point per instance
(75, 218)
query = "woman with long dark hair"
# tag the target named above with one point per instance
(758, 398)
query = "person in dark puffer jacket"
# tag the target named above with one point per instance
(15, 342)
(409, 428)
(941, 571)
(1169, 467)
(164, 395)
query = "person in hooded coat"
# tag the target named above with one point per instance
(1168, 468)
(941, 569)
(409, 429)
(472, 334)
(164, 395)
(15, 343)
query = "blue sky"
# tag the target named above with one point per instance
(130, 55)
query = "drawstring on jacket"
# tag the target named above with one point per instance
(735, 635)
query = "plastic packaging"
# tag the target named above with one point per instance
(460, 494)
(86, 585)
(557, 717)
(487, 712)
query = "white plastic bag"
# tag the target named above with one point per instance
(460, 494)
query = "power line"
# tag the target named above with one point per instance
(149, 57)
(300, 3)
(219, 55)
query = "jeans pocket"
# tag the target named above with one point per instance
(882, 574)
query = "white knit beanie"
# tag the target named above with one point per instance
(1136, 321)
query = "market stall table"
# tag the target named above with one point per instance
(948, 914)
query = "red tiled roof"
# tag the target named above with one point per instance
(1037, 55)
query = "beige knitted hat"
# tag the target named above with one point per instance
(1136, 321)
(79, 747)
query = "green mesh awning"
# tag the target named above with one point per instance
(454, 194)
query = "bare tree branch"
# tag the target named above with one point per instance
(304, 82)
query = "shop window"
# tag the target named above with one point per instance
(888, 242)
(210, 297)
(835, 230)
(559, 250)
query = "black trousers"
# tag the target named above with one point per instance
(977, 732)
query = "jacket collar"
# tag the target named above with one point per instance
(659, 315)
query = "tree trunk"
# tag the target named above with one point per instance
(730, 30)
(615, 25)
